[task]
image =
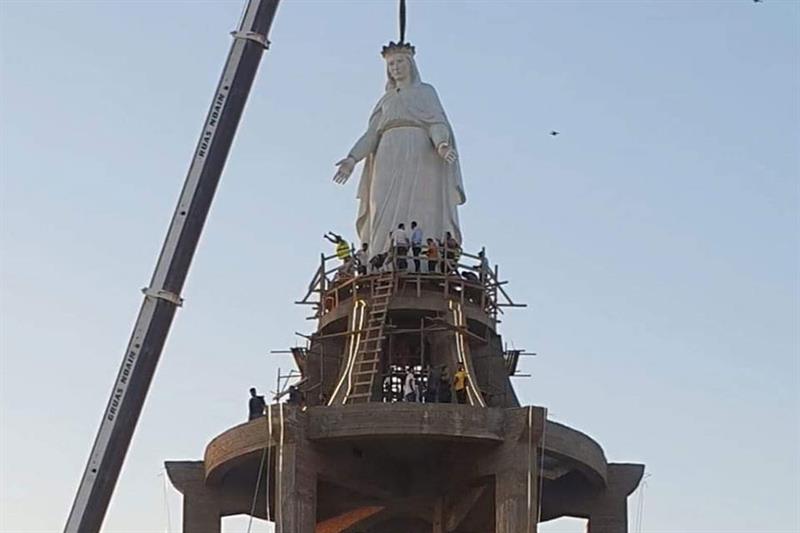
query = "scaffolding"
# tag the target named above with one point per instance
(335, 282)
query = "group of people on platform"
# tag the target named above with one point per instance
(433, 385)
(257, 405)
(406, 247)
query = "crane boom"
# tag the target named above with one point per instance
(162, 297)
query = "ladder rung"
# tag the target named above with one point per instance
(360, 395)
(365, 373)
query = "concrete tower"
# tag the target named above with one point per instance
(355, 458)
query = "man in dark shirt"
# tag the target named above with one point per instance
(256, 405)
(295, 396)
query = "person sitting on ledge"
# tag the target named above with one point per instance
(256, 405)
(345, 271)
(376, 263)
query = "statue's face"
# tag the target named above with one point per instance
(399, 67)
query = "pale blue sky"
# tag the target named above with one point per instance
(655, 240)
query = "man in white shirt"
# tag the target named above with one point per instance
(362, 257)
(410, 386)
(400, 241)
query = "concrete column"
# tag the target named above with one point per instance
(609, 517)
(438, 516)
(298, 490)
(200, 514)
(512, 514)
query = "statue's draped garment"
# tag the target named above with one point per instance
(404, 179)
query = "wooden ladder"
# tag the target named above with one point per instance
(367, 365)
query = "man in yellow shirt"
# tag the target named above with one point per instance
(460, 384)
(342, 246)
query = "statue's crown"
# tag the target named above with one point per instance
(398, 48)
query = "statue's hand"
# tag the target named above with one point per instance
(447, 152)
(346, 166)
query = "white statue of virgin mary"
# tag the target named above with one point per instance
(411, 171)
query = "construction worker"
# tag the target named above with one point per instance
(416, 243)
(444, 391)
(400, 242)
(376, 263)
(460, 384)
(362, 259)
(342, 246)
(256, 405)
(410, 386)
(452, 252)
(345, 271)
(432, 253)
(432, 389)
(483, 266)
(295, 396)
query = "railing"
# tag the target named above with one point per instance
(476, 284)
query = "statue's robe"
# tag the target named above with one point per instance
(404, 179)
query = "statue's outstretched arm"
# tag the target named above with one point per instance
(364, 146)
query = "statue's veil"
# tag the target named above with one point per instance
(415, 79)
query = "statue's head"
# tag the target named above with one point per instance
(400, 65)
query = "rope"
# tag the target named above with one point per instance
(402, 21)
(279, 474)
(258, 485)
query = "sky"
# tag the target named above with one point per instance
(655, 240)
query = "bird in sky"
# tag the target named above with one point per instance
(554, 133)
